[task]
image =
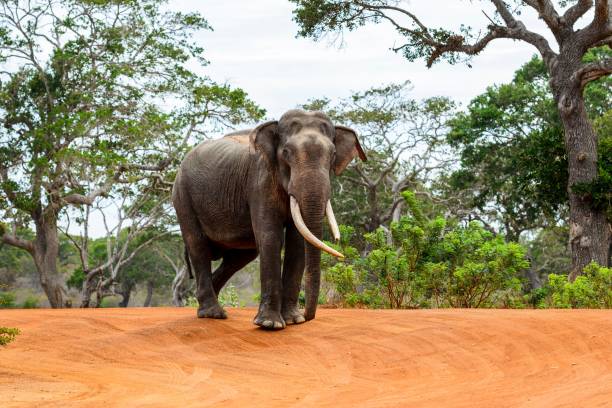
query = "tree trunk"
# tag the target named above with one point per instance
(147, 301)
(178, 286)
(88, 289)
(589, 230)
(46, 251)
(374, 214)
(126, 293)
(532, 274)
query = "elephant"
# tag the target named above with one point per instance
(253, 191)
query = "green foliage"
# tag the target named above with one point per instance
(547, 252)
(75, 280)
(31, 302)
(301, 298)
(348, 280)
(592, 289)
(191, 302)
(479, 265)
(514, 168)
(7, 300)
(429, 262)
(7, 334)
(229, 296)
(315, 18)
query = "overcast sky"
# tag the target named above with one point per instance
(253, 46)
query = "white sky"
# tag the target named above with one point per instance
(253, 46)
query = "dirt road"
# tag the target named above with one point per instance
(163, 357)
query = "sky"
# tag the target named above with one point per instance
(254, 46)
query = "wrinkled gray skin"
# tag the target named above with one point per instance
(231, 197)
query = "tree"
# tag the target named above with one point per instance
(567, 68)
(83, 101)
(140, 218)
(404, 141)
(513, 161)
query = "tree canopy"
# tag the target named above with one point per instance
(513, 160)
(98, 95)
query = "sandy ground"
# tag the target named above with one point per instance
(165, 357)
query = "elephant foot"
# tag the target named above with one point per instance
(269, 320)
(292, 315)
(214, 311)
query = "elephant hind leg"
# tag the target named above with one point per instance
(200, 253)
(233, 261)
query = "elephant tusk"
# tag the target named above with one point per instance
(303, 229)
(331, 219)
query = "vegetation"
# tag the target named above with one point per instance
(591, 290)
(7, 334)
(429, 262)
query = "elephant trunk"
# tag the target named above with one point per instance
(313, 210)
(309, 205)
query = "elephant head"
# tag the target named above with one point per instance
(302, 150)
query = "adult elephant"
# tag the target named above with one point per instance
(250, 191)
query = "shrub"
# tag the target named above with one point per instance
(593, 289)
(229, 296)
(421, 262)
(31, 302)
(191, 302)
(480, 267)
(301, 298)
(7, 334)
(7, 300)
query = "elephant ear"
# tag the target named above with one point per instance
(347, 148)
(264, 138)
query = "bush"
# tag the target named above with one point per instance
(482, 268)
(593, 289)
(420, 262)
(229, 296)
(31, 302)
(7, 300)
(191, 301)
(7, 334)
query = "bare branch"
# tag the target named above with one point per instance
(546, 11)
(14, 240)
(80, 199)
(575, 12)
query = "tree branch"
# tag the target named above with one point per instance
(13, 240)
(546, 12)
(592, 71)
(575, 12)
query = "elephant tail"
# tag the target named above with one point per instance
(188, 263)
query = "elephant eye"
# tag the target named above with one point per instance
(286, 153)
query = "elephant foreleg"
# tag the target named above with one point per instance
(269, 244)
